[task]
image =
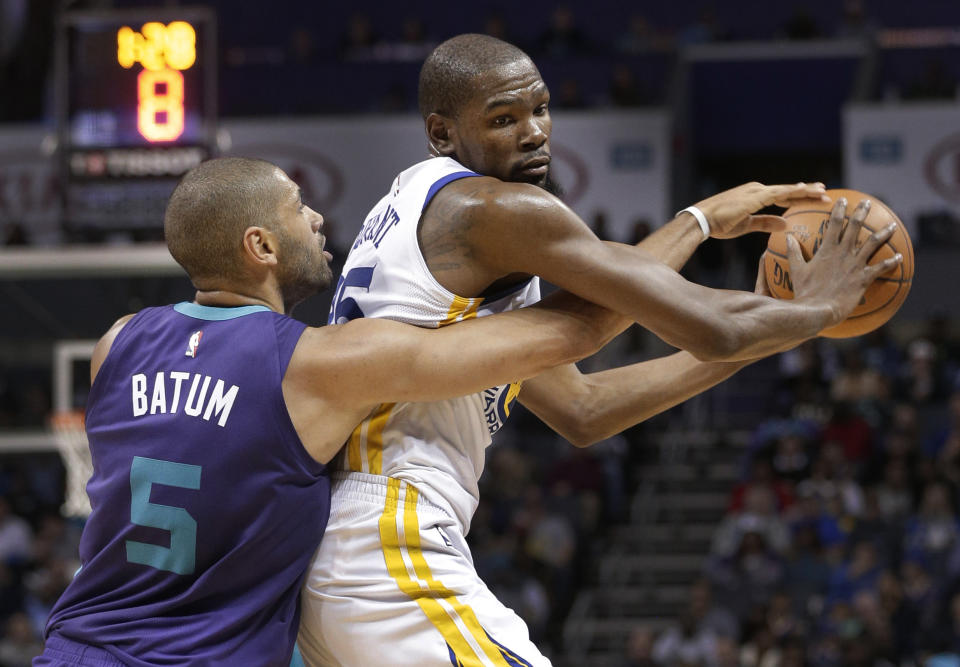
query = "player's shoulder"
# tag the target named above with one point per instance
(485, 197)
(103, 345)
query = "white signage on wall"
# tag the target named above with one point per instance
(617, 163)
(908, 155)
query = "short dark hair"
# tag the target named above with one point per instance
(210, 209)
(447, 74)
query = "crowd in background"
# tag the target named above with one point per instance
(27, 29)
(841, 544)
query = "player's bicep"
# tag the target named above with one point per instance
(369, 361)
(522, 229)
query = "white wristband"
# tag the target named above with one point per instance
(701, 218)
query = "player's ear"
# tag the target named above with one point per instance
(259, 246)
(438, 134)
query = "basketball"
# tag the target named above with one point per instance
(807, 223)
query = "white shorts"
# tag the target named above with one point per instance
(393, 583)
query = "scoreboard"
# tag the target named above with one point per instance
(136, 109)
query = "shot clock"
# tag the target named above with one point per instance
(136, 109)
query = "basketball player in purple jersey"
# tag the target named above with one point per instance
(211, 423)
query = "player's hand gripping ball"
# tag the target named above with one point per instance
(807, 222)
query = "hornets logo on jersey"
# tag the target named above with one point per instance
(497, 403)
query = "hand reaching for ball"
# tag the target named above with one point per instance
(840, 270)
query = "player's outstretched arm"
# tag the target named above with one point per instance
(588, 408)
(712, 325)
(339, 373)
(585, 409)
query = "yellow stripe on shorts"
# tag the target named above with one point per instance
(444, 618)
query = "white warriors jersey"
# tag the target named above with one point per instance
(438, 446)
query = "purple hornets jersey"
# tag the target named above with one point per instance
(206, 506)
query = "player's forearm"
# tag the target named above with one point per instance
(605, 403)
(675, 242)
(758, 326)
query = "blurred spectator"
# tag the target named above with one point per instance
(758, 516)
(920, 381)
(495, 25)
(894, 493)
(360, 39)
(935, 82)
(708, 616)
(705, 29)
(791, 460)
(413, 46)
(806, 571)
(749, 577)
(726, 652)
(881, 352)
(302, 48)
(761, 476)
(760, 650)
(861, 571)
(19, 644)
(949, 627)
(16, 536)
(944, 441)
(639, 37)
(856, 382)
(933, 533)
(639, 649)
(683, 643)
(562, 38)
(851, 432)
(781, 618)
(624, 90)
(855, 22)
(832, 484)
(921, 602)
(569, 96)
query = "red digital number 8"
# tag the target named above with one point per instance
(160, 104)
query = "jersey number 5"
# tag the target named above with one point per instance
(181, 556)
(345, 309)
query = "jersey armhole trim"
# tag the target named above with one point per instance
(444, 180)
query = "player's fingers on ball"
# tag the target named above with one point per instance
(835, 221)
(794, 254)
(886, 266)
(851, 232)
(877, 239)
(767, 223)
(761, 287)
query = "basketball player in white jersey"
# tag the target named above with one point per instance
(463, 235)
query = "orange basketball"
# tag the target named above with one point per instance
(807, 222)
